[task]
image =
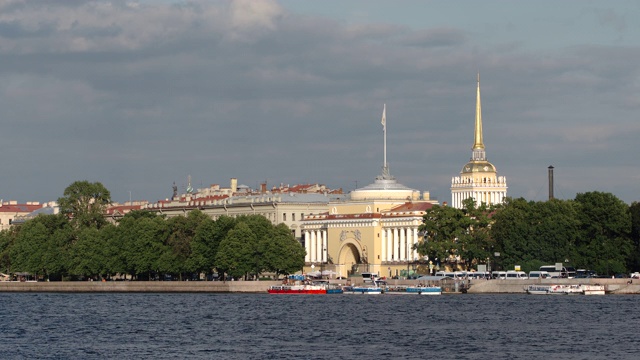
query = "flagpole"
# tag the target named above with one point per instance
(384, 131)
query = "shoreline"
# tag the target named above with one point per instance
(612, 286)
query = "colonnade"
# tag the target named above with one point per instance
(488, 197)
(316, 246)
(397, 243)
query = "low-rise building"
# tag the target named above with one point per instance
(10, 211)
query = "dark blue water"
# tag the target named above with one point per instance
(257, 326)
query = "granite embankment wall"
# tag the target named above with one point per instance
(140, 286)
(612, 286)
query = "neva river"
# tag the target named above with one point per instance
(263, 326)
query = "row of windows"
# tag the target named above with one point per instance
(270, 216)
(293, 216)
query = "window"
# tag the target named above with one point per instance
(293, 216)
(301, 216)
(284, 216)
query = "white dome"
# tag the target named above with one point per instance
(385, 189)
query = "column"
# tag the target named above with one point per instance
(325, 249)
(395, 244)
(415, 242)
(389, 244)
(403, 243)
(313, 246)
(383, 248)
(307, 246)
(409, 243)
(318, 246)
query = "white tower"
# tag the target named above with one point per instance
(478, 179)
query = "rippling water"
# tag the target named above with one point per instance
(263, 326)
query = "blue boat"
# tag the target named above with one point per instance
(377, 288)
(424, 290)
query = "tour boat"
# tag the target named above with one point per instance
(424, 290)
(366, 289)
(297, 285)
(538, 289)
(414, 290)
(565, 289)
(377, 288)
(553, 289)
(315, 288)
(593, 289)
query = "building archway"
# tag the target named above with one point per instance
(350, 254)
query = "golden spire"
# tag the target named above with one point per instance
(478, 143)
(478, 153)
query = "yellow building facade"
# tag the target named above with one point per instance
(375, 230)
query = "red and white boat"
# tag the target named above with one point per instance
(297, 289)
(296, 284)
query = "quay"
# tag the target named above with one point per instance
(476, 286)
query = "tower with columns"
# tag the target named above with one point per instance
(479, 178)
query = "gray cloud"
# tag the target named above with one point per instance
(139, 96)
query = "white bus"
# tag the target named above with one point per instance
(554, 272)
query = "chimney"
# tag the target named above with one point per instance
(550, 182)
(263, 187)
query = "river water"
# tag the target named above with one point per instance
(263, 326)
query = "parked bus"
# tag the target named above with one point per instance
(554, 272)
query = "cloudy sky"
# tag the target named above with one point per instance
(138, 95)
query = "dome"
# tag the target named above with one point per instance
(478, 167)
(385, 189)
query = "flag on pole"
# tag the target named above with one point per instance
(384, 117)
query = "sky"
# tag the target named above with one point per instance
(139, 95)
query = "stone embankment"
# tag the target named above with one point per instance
(139, 286)
(612, 286)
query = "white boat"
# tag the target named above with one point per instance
(377, 288)
(593, 289)
(424, 290)
(365, 289)
(565, 289)
(538, 289)
(413, 290)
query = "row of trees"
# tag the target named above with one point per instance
(79, 242)
(595, 231)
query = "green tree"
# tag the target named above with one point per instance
(235, 255)
(605, 232)
(203, 247)
(145, 243)
(262, 228)
(7, 239)
(121, 249)
(476, 243)
(41, 246)
(282, 253)
(531, 234)
(85, 203)
(634, 259)
(113, 251)
(444, 227)
(87, 256)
